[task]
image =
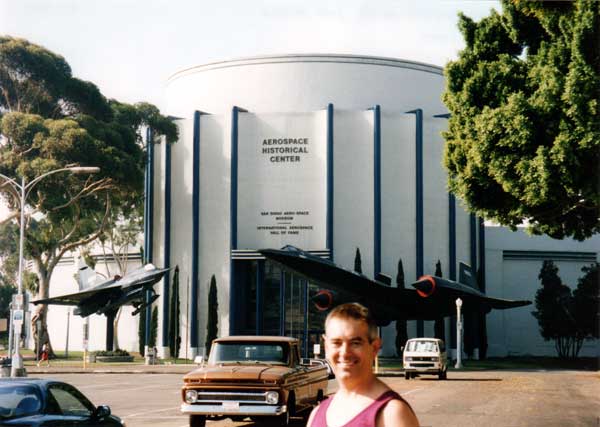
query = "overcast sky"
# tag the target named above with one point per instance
(129, 48)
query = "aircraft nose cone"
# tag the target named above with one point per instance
(425, 286)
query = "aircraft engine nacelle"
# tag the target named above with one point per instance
(323, 299)
(425, 286)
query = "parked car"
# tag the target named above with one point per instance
(44, 402)
(260, 377)
(425, 356)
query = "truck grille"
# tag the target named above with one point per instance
(237, 396)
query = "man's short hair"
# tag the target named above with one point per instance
(356, 311)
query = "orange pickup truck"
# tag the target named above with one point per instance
(260, 377)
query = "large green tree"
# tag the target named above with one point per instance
(523, 143)
(51, 120)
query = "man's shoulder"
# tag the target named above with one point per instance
(397, 412)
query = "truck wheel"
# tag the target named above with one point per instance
(407, 376)
(197, 421)
(443, 375)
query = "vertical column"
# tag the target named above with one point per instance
(167, 254)
(481, 277)
(260, 280)
(377, 189)
(483, 342)
(282, 303)
(472, 320)
(149, 226)
(451, 245)
(419, 201)
(233, 220)
(329, 237)
(305, 300)
(194, 280)
(452, 255)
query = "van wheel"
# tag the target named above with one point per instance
(442, 375)
(407, 376)
(197, 421)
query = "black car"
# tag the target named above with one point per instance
(45, 402)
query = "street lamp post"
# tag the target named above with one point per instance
(23, 190)
(458, 335)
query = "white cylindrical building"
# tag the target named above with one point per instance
(329, 153)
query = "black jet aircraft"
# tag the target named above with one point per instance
(106, 297)
(432, 298)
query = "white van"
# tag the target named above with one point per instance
(425, 356)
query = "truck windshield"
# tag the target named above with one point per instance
(426, 346)
(244, 352)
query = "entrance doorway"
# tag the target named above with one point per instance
(274, 301)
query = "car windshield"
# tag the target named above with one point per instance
(244, 352)
(18, 401)
(424, 346)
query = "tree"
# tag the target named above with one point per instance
(117, 239)
(212, 324)
(401, 333)
(438, 326)
(153, 327)
(357, 262)
(6, 293)
(586, 303)
(50, 120)
(142, 335)
(553, 311)
(174, 312)
(523, 142)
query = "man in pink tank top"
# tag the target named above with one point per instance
(362, 400)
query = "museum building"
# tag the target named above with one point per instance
(331, 154)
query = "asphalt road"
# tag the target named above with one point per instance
(483, 398)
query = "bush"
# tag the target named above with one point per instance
(117, 352)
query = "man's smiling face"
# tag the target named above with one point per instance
(348, 348)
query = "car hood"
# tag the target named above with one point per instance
(239, 373)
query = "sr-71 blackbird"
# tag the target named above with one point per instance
(106, 297)
(432, 298)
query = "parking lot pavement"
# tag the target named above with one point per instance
(481, 398)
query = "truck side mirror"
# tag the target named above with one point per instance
(199, 360)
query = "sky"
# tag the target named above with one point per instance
(129, 48)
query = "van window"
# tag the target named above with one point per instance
(424, 346)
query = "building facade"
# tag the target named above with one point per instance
(329, 153)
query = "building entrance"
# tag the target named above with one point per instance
(274, 301)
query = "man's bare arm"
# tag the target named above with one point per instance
(397, 414)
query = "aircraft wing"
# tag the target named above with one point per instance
(432, 297)
(111, 289)
(78, 297)
(386, 302)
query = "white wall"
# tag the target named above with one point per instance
(290, 83)
(62, 283)
(516, 331)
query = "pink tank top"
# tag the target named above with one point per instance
(365, 418)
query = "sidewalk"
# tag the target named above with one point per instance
(109, 368)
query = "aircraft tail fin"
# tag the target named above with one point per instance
(86, 276)
(466, 276)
